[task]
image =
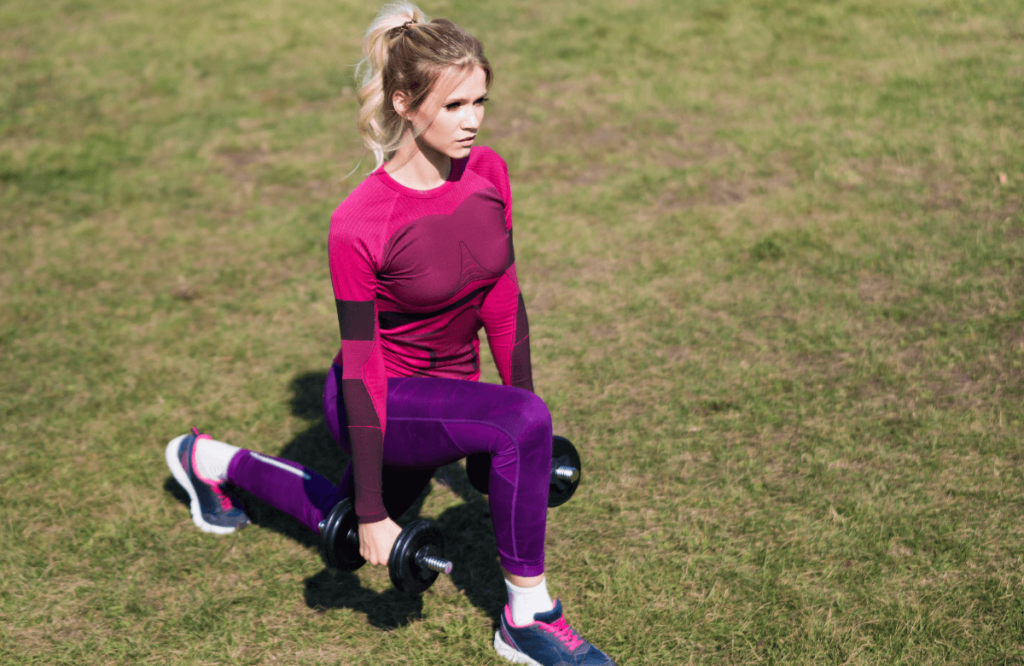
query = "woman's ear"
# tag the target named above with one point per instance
(401, 103)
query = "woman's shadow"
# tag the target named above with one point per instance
(469, 537)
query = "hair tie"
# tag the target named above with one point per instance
(402, 30)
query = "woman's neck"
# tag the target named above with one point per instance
(418, 166)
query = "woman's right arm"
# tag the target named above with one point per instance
(364, 383)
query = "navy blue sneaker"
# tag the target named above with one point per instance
(213, 510)
(548, 641)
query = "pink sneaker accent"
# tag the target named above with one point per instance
(225, 502)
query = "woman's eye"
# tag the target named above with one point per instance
(453, 106)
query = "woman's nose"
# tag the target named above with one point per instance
(471, 120)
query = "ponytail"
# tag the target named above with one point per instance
(403, 52)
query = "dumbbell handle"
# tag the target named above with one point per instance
(566, 473)
(438, 564)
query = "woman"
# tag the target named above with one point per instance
(421, 258)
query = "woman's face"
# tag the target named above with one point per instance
(458, 119)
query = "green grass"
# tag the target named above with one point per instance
(772, 256)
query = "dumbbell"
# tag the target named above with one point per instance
(416, 558)
(566, 470)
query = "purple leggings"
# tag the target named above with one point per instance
(432, 422)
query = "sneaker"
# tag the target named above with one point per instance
(549, 641)
(213, 510)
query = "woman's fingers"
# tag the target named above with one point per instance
(377, 539)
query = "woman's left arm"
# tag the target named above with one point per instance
(508, 331)
(503, 310)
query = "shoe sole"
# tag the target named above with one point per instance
(181, 476)
(511, 654)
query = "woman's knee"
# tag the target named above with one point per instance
(530, 423)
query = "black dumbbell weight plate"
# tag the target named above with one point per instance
(420, 538)
(339, 538)
(563, 453)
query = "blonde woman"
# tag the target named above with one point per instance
(421, 258)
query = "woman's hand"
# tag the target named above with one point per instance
(377, 539)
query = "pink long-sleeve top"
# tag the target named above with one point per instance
(416, 274)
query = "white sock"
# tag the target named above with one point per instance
(212, 459)
(526, 601)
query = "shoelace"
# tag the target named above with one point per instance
(563, 632)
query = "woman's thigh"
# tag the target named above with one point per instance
(433, 422)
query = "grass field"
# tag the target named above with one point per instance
(773, 256)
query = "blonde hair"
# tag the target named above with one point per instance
(405, 53)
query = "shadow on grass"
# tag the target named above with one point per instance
(470, 544)
(469, 536)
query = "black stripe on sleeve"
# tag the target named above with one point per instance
(522, 323)
(355, 319)
(522, 371)
(358, 405)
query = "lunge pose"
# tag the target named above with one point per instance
(420, 258)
